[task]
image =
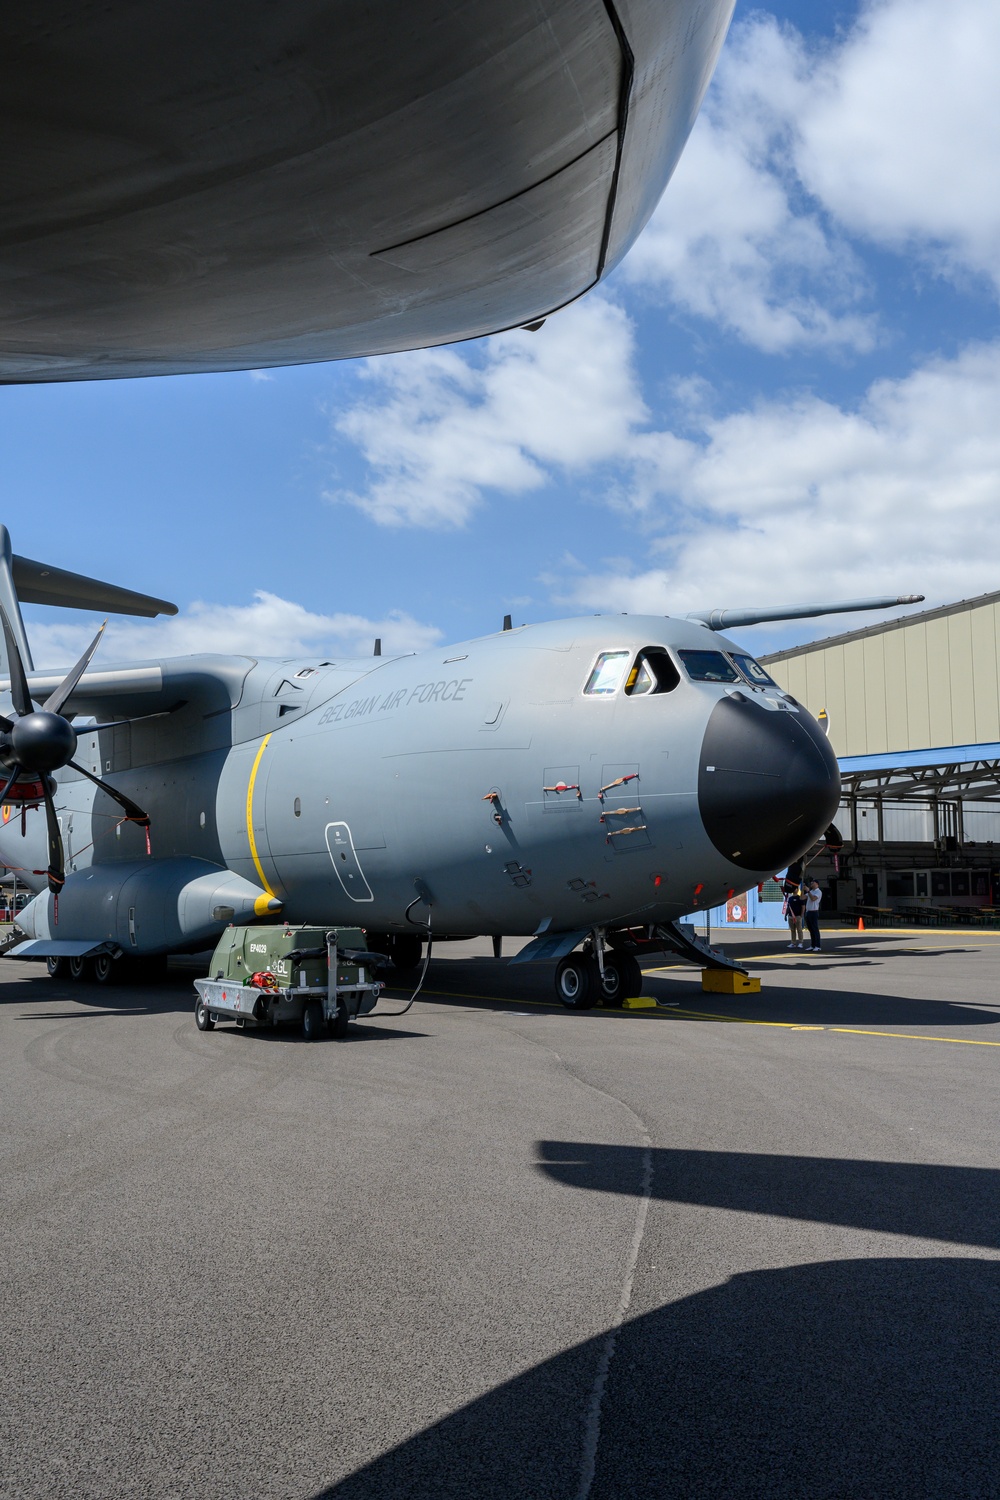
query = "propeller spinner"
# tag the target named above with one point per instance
(38, 741)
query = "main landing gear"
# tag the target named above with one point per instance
(581, 985)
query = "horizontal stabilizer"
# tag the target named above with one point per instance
(732, 619)
(37, 583)
(60, 948)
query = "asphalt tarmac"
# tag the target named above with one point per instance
(734, 1247)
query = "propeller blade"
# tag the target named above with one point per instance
(54, 702)
(6, 724)
(133, 809)
(57, 864)
(18, 681)
(13, 777)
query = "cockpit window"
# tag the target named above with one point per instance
(753, 671)
(609, 669)
(708, 666)
(652, 672)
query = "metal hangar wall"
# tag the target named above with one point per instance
(914, 711)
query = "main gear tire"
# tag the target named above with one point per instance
(57, 968)
(81, 970)
(105, 969)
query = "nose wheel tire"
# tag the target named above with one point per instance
(576, 982)
(622, 978)
(202, 1019)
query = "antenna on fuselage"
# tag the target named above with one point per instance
(378, 646)
(506, 623)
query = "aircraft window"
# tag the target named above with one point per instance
(607, 674)
(753, 671)
(708, 666)
(652, 672)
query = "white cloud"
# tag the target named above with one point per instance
(800, 498)
(270, 626)
(732, 240)
(900, 135)
(891, 135)
(438, 427)
(789, 499)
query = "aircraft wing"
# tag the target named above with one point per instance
(238, 183)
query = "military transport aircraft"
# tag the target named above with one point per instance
(582, 782)
(237, 183)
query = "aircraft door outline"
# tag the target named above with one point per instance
(344, 858)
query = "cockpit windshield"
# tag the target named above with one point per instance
(708, 666)
(607, 673)
(753, 671)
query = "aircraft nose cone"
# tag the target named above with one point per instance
(768, 783)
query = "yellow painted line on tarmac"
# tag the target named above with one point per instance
(958, 1041)
(903, 1036)
(679, 1013)
(708, 1015)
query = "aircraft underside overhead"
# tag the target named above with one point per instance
(226, 186)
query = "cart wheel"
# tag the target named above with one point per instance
(312, 1021)
(340, 1022)
(81, 968)
(56, 968)
(202, 1016)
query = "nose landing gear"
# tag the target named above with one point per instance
(583, 981)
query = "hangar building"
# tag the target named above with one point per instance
(914, 712)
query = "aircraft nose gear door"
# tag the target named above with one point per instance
(345, 862)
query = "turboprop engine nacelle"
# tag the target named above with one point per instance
(147, 907)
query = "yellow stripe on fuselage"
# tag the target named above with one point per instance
(253, 842)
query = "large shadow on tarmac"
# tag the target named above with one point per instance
(835, 1381)
(818, 1000)
(957, 1204)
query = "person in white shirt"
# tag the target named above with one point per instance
(813, 898)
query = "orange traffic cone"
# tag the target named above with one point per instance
(861, 924)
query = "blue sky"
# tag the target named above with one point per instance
(790, 388)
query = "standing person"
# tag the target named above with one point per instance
(793, 911)
(813, 898)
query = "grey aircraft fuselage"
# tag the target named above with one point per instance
(478, 786)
